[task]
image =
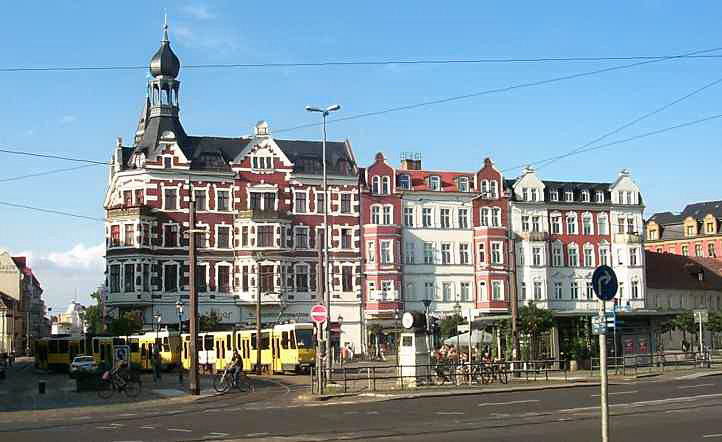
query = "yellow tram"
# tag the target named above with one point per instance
(284, 348)
(57, 352)
(141, 349)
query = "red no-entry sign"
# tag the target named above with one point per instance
(319, 314)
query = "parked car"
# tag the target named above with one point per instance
(82, 364)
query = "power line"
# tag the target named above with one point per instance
(54, 157)
(497, 90)
(48, 172)
(352, 63)
(546, 163)
(626, 140)
(53, 211)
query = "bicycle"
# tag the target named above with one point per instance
(111, 382)
(223, 382)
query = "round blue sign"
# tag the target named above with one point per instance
(604, 283)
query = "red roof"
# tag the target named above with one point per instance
(419, 179)
(669, 271)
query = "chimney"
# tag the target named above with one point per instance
(410, 161)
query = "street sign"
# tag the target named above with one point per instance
(121, 353)
(604, 283)
(462, 328)
(701, 316)
(319, 313)
(611, 319)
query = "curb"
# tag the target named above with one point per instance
(699, 375)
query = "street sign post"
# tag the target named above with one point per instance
(319, 314)
(605, 285)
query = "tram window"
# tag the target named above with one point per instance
(209, 342)
(143, 351)
(284, 340)
(228, 342)
(199, 344)
(253, 341)
(134, 347)
(265, 341)
(53, 347)
(185, 350)
(95, 346)
(118, 341)
(63, 347)
(304, 338)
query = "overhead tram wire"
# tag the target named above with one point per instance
(545, 163)
(53, 211)
(499, 90)
(48, 172)
(11, 69)
(52, 157)
(627, 140)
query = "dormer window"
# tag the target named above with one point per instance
(494, 189)
(386, 185)
(463, 184)
(404, 182)
(375, 184)
(167, 162)
(262, 162)
(525, 194)
(554, 195)
(534, 195)
(435, 182)
(585, 196)
(568, 196)
(600, 197)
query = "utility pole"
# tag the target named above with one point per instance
(258, 316)
(193, 314)
(514, 300)
(603, 372)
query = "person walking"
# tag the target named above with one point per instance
(156, 365)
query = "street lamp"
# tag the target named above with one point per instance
(179, 308)
(396, 336)
(157, 318)
(427, 305)
(324, 113)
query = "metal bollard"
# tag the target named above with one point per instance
(41, 387)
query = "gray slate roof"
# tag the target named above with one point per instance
(696, 210)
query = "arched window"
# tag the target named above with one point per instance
(386, 185)
(404, 182)
(573, 254)
(375, 184)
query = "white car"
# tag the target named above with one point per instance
(82, 363)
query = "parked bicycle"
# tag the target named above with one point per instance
(112, 381)
(223, 382)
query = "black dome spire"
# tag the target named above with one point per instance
(164, 62)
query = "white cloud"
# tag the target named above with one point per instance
(67, 119)
(199, 11)
(79, 257)
(204, 39)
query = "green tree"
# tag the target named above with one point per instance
(93, 315)
(685, 323)
(210, 322)
(449, 326)
(534, 322)
(127, 324)
(714, 324)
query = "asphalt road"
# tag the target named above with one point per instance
(680, 410)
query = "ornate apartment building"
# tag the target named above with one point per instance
(260, 202)
(696, 231)
(433, 236)
(563, 230)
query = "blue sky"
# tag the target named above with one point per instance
(81, 113)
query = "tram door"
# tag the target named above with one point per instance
(276, 351)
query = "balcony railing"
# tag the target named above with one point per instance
(128, 212)
(627, 238)
(534, 236)
(263, 215)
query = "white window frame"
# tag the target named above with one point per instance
(389, 245)
(297, 229)
(376, 214)
(463, 183)
(386, 185)
(405, 181)
(217, 199)
(571, 247)
(554, 195)
(387, 215)
(435, 183)
(499, 252)
(497, 290)
(371, 252)
(408, 216)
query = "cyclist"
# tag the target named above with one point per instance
(236, 367)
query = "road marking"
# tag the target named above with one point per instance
(147, 427)
(372, 412)
(449, 412)
(488, 404)
(180, 430)
(106, 428)
(618, 392)
(712, 435)
(256, 434)
(116, 425)
(696, 386)
(78, 418)
(684, 410)
(127, 415)
(218, 434)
